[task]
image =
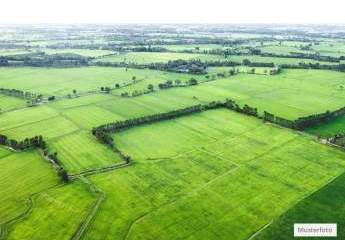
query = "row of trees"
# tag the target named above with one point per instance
(40, 59)
(101, 131)
(20, 94)
(32, 143)
(303, 123)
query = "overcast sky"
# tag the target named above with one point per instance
(172, 11)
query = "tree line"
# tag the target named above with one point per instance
(102, 132)
(303, 123)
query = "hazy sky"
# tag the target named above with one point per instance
(172, 11)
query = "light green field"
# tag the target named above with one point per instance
(50, 128)
(283, 49)
(192, 47)
(56, 214)
(82, 52)
(10, 103)
(191, 179)
(335, 49)
(275, 60)
(291, 94)
(25, 116)
(158, 57)
(21, 175)
(81, 151)
(59, 81)
(88, 117)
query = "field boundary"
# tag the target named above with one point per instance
(85, 225)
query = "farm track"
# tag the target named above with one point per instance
(84, 226)
(99, 170)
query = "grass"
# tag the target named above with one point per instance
(324, 206)
(191, 179)
(22, 174)
(80, 151)
(56, 213)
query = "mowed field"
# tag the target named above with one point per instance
(192, 180)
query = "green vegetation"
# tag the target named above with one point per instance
(58, 81)
(170, 132)
(22, 175)
(324, 206)
(194, 166)
(330, 128)
(80, 151)
(157, 57)
(56, 213)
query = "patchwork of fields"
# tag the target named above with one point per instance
(192, 179)
(204, 174)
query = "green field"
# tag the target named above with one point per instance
(58, 81)
(56, 213)
(159, 57)
(324, 206)
(192, 180)
(9, 103)
(21, 175)
(80, 151)
(82, 52)
(283, 94)
(76, 165)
